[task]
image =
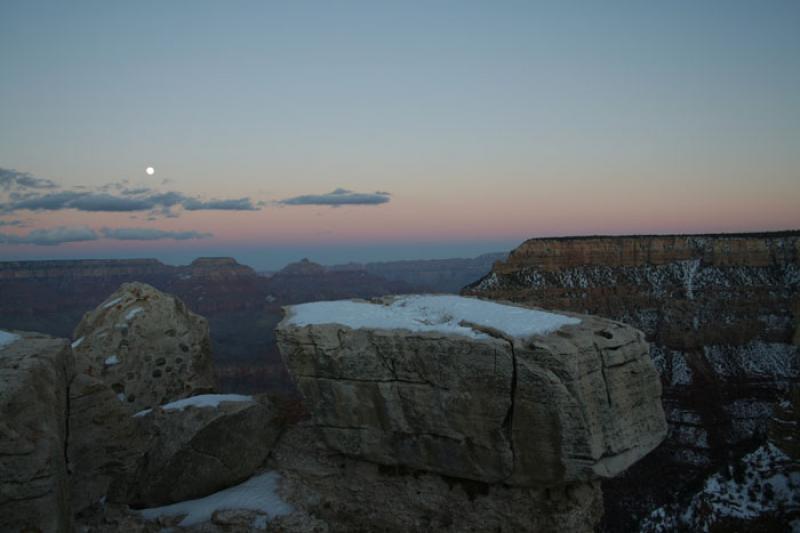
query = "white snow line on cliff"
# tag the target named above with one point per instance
(259, 493)
(431, 313)
(77, 342)
(112, 303)
(201, 400)
(133, 312)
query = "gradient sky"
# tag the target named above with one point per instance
(487, 122)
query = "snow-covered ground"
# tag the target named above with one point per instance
(763, 482)
(6, 338)
(201, 400)
(259, 493)
(431, 313)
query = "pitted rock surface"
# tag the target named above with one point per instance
(147, 346)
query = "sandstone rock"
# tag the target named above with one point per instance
(147, 346)
(104, 446)
(203, 444)
(333, 492)
(475, 390)
(34, 490)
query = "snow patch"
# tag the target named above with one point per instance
(431, 313)
(112, 360)
(77, 342)
(133, 312)
(7, 338)
(259, 493)
(201, 400)
(112, 303)
(762, 482)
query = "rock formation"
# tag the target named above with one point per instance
(487, 394)
(203, 444)
(147, 346)
(105, 443)
(34, 488)
(576, 400)
(72, 449)
(722, 314)
(331, 492)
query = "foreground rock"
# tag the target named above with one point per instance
(34, 489)
(147, 346)
(475, 390)
(203, 444)
(105, 444)
(336, 493)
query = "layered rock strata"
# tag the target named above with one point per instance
(475, 390)
(34, 487)
(722, 313)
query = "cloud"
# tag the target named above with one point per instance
(119, 197)
(238, 204)
(51, 236)
(13, 179)
(150, 234)
(15, 223)
(128, 200)
(339, 197)
(66, 234)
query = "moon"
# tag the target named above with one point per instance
(150, 171)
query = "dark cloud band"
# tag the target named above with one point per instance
(25, 194)
(339, 197)
(150, 234)
(65, 234)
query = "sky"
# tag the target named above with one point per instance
(364, 131)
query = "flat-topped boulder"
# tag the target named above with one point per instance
(147, 346)
(34, 489)
(475, 389)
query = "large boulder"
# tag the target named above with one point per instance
(105, 444)
(203, 444)
(147, 346)
(474, 389)
(34, 490)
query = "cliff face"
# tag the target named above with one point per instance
(721, 312)
(436, 275)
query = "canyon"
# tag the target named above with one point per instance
(722, 314)
(463, 413)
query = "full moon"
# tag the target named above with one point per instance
(150, 171)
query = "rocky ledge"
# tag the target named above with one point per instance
(475, 390)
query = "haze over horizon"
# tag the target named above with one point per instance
(364, 132)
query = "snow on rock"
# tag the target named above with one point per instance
(201, 400)
(259, 493)
(762, 482)
(133, 312)
(78, 342)
(7, 338)
(111, 360)
(431, 313)
(112, 303)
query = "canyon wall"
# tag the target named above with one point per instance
(721, 312)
